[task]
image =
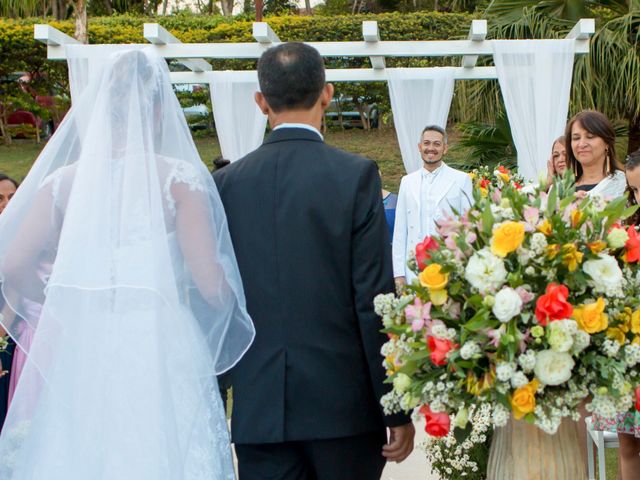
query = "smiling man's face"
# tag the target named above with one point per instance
(432, 148)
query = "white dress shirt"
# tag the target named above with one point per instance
(306, 126)
(428, 201)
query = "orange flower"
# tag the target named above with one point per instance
(545, 227)
(597, 247)
(576, 217)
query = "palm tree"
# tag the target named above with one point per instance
(607, 79)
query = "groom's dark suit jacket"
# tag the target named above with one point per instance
(309, 231)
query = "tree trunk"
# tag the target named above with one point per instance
(6, 136)
(227, 8)
(108, 7)
(307, 6)
(634, 135)
(259, 7)
(165, 4)
(81, 34)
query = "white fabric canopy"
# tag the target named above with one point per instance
(535, 79)
(419, 98)
(240, 124)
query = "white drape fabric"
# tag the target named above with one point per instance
(240, 125)
(419, 97)
(121, 285)
(82, 65)
(535, 79)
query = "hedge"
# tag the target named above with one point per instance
(16, 36)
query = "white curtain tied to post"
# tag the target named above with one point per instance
(240, 124)
(535, 79)
(419, 97)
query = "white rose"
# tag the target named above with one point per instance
(401, 383)
(485, 271)
(507, 304)
(605, 273)
(560, 335)
(617, 237)
(553, 368)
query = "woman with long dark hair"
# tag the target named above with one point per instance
(591, 155)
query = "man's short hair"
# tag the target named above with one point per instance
(436, 128)
(291, 76)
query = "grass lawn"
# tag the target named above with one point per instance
(379, 145)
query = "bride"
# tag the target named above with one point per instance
(123, 291)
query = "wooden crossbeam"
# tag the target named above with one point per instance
(158, 35)
(371, 35)
(477, 33)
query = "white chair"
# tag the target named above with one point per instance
(601, 440)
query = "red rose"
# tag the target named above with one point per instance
(437, 424)
(638, 398)
(503, 169)
(422, 250)
(439, 347)
(517, 185)
(632, 246)
(485, 182)
(553, 304)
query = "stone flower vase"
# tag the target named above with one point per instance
(524, 452)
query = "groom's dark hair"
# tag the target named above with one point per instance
(291, 76)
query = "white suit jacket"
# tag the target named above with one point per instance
(453, 190)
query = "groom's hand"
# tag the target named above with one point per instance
(400, 443)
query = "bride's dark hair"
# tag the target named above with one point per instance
(631, 163)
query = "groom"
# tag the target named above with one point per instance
(308, 228)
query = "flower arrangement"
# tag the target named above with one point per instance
(525, 307)
(486, 179)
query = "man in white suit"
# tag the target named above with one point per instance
(426, 196)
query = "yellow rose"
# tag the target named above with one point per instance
(523, 400)
(432, 277)
(591, 317)
(507, 238)
(635, 321)
(472, 176)
(636, 340)
(436, 281)
(571, 257)
(616, 334)
(545, 227)
(484, 192)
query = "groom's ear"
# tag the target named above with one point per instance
(326, 95)
(262, 103)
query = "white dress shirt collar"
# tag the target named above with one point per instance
(431, 175)
(306, 126)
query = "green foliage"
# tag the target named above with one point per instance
(487, 144)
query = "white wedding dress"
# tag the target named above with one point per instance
(144, 303)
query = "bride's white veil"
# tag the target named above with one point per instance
(115, 256)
